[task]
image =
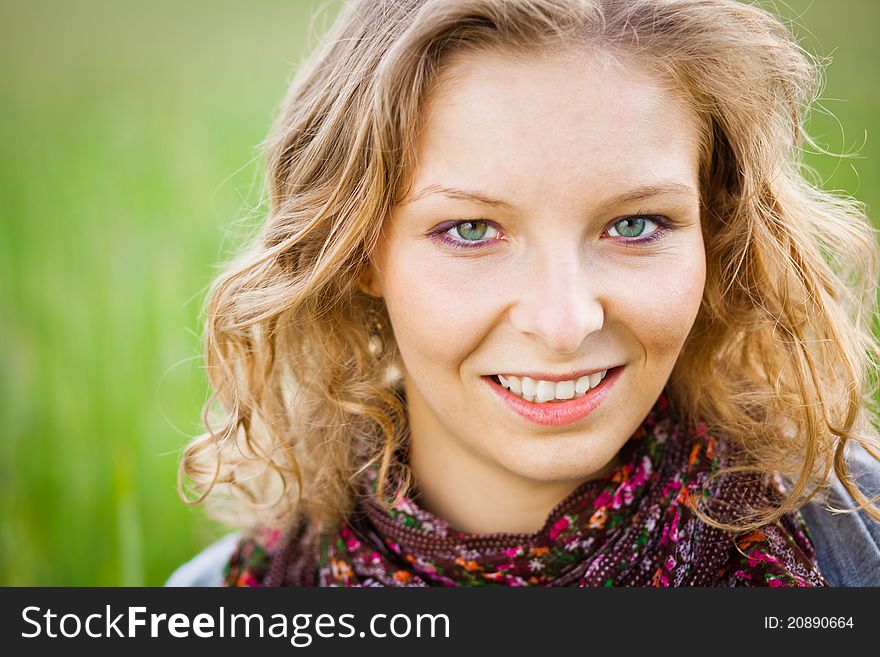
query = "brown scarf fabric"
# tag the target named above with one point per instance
(634, 527)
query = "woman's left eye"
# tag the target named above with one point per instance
(635, 227)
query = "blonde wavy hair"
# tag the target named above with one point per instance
(781, 360)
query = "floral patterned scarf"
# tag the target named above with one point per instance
(634, 527)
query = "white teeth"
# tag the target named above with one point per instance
(515, 385)
(545, 391)
(565, 390)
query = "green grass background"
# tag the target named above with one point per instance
(130, 167)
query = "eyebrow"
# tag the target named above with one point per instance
(629, 196)
(456, 193)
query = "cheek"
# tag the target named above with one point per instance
(439, 314)
(661, 311)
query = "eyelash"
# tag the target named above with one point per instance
(440, 233)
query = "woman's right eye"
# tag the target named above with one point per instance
(467, 234)
(472, 231)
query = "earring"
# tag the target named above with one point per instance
(375, 327)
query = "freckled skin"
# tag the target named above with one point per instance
(557, 137)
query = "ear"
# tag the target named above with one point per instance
(368, 281)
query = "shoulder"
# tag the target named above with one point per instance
(269, 556)
(256, 556)
(207, 567)
(253, 557)
(847, 544)
(778, 554)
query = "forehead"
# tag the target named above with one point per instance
(554, 120)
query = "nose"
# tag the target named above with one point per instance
(558, 303)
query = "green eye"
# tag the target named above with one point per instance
(472, 230)
(636, 226)
(630, 227)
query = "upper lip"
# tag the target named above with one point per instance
(545, 376)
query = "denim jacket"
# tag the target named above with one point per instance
(848, 544)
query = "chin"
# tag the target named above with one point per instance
(557, 466)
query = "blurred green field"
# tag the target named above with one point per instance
(131, 167)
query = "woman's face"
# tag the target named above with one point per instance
(552, 231)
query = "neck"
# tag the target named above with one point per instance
(475, 497)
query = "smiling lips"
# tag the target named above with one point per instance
(554, 403)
